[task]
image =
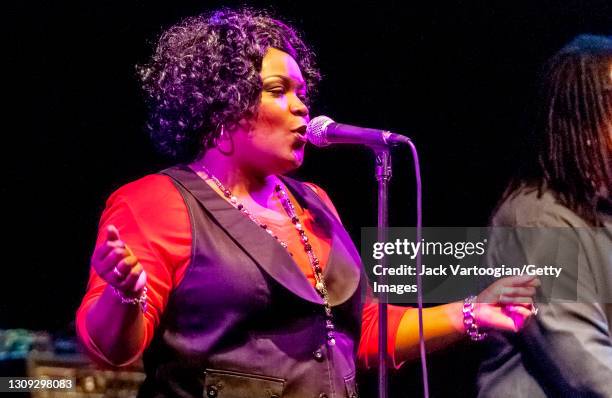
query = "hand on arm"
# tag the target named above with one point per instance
(507, 303)
(504, 305)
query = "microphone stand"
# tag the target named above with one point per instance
(383, 176)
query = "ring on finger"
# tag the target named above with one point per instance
(118, 273)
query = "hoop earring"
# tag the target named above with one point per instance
(217, 136)
(221, 138)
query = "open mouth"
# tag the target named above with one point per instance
(301, 129)
(301, 138)
(300, 134)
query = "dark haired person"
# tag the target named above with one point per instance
(565, 186)
(232, 279)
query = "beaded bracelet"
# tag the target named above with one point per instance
(469, 320)
(141, 301)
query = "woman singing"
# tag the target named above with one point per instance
(232, 279)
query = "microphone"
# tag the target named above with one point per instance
(323, 131)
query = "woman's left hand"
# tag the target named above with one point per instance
(507, 303)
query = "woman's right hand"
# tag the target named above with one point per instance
(116, 264)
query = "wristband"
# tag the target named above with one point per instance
(141, 300)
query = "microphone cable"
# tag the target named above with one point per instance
(419, 281)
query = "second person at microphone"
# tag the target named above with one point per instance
(232, 279)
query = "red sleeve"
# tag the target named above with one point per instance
(367, 353)
(152, 220)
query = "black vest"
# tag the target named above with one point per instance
(245, 321)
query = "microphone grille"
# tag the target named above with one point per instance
(316, 130)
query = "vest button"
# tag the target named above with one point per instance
(318, 355)
(323, 395)
(274, 396)
(354, 395)
(212, 391)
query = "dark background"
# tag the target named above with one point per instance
(456, 76)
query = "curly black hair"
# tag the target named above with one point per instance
(204, 74)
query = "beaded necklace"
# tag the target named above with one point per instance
(312, 258)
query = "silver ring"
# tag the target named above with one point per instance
(118, 273)
(534, 309)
